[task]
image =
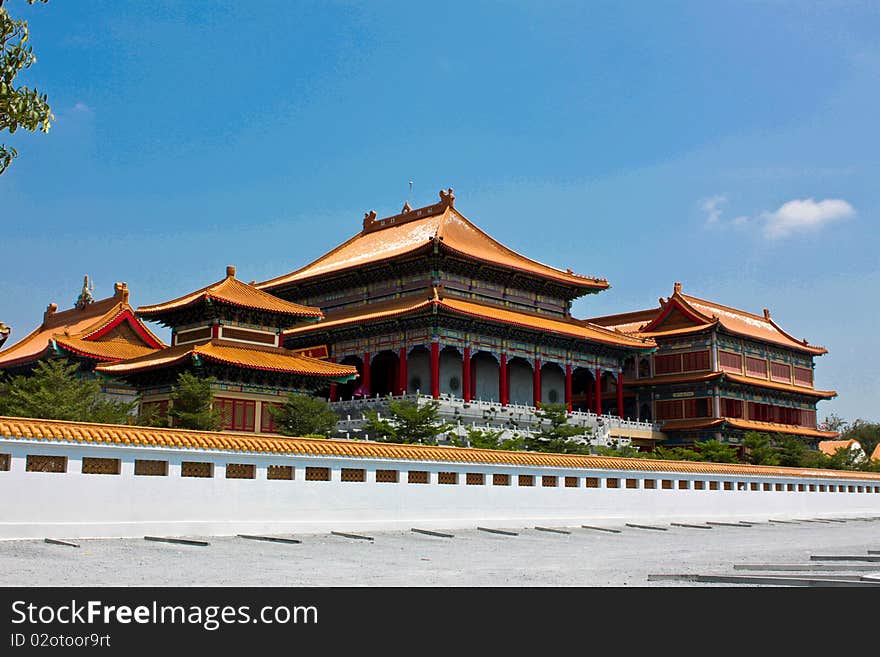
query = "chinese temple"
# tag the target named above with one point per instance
(231, 331)
(719, 372)
(91, 333)
(424, 301)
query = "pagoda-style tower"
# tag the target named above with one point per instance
(92, 333)
(426, 301)
(231, 331)
(720, 372)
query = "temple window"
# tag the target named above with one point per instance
(526, 480)
(386, 476)
(803, 376)
(417, 477)
(280, 472)
(756, 367)
(668, 364)
(475, 479)
(730, 362)
(236, 414)
(196, 469)
(354, 474)
(549, 481)
(43, 463)
(695, 361)
(572, 482)
(447, 478)
(501, 480)
(150, 468)
(5, 459)
(92, 465)
(317, 474)
(241, 471)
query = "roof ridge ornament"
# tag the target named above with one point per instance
(120, 291)
(676, 288)
(767, 314)
(369, 219)
(85, 296)
(406, 208)
(447, 198)
(230, 271)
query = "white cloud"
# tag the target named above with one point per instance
(82, 108)
(802, 215)
(712, 207)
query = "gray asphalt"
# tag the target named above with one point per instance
(532, 557)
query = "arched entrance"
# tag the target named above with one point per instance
(484, 376)
(520, 376)
(346, 390)
(384, 372)
(418, 365)
(552, 384)
(450, 372)
(609, 393)
(583, 389)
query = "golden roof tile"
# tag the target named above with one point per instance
(411, 305)
(829, 447)
(274, 359)
(234, 292)
(413, 230)
(58, 430)
(704, 315)
(92, 322)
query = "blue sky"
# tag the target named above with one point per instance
(728, 145)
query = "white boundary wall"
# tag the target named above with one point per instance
(73, 504)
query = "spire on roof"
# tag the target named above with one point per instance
(767, 314)
(230, 271)
(676, 288)
(406, 208)
(85, 297)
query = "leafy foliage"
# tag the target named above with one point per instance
(192, 403)
(490, 439)
(303, 415)
(19, 107)
(556, 434)
(408, 422)
(760, 449)
(867, 433)
(56, 391)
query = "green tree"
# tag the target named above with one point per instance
(833, 422)
(621, 451)
(867, 433)
(20, 107)
(303, 415)
(192, 403)
(56, 391)
(407, 422)
(791, 451)
(490, 439)
(715, 451)
(760, 449)
(555, 433)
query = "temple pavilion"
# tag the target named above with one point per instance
(91, 333)
(719, 372)
(424, 301)
(231, 331)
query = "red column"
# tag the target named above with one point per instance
(568, 386)
(466, 375)
(536, 384)
(473, 379)
(402, 380)
(365, 375)
(334, 393)
(435, 369)
(502, 380)
(619, 393)
(598, 391)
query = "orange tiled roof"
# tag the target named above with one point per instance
(104, 350)
(697, 377)
(787, 387)
(705, 315)
(81, 324)
(411, 305)
(110, 434)
(749, 425)
(412, 230)
(273, 359)
(875, 455)
(775, 427)
(232, 291)
(829, 447)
